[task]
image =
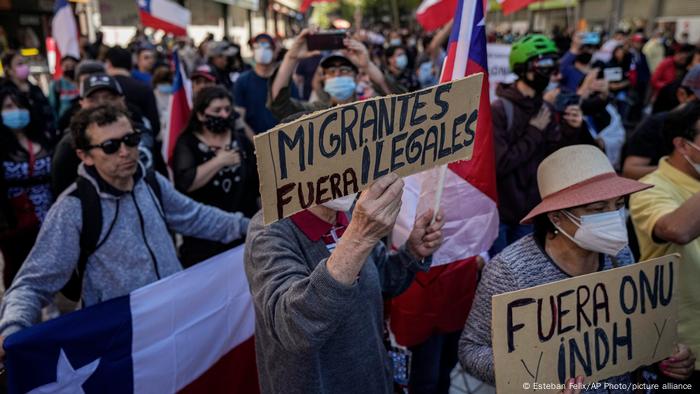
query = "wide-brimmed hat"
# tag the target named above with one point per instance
(578, 175)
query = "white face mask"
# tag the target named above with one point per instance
(263, 55)
(342, 204)
(692, 163)
(601, 232)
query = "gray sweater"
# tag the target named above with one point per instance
(520, 266)
(312, 333)
(123, 262)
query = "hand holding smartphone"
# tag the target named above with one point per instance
(326, 40)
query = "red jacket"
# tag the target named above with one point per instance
(664, 74)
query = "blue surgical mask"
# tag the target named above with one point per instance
(165, 88)
(15, 118)
(426, 76)
(401, 62)
(340, 88)
(395, 42)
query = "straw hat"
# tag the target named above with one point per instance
(578, 175)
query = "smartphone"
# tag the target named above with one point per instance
(326, 40)
(613, 74)
(564, 100)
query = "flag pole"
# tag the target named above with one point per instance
(443, 168)
(438, 192)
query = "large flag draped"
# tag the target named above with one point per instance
(440, 299)
(178, 108)
(191, 332)
(165, 15)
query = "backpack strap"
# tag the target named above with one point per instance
(91, 214)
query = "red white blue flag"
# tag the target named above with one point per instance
(191, 332)
(165, 15)
(64, 32)
(433, 14)
(468, 201)
(178, 109)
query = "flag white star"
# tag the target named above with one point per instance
(68, 380)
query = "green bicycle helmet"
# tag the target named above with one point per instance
(531, 46)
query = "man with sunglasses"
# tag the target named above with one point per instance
(95, 90)
(134, 248)
(526, 129)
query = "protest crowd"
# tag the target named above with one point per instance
(596, 159)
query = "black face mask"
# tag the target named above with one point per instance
(584, 58)
(217, 124)
(70, 74)
(539, 83)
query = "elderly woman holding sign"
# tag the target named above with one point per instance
(318, 283)
(579, 229)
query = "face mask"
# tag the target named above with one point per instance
(696, 166)
(340, 88)
(165, 88)
(342, 204)
(263, 55)
(395, 42)
(425, 75)
(401, 62)
(69, 74)
(539, 83)
(22, 71)
(217, 124)
(15, 118)
(602, 232)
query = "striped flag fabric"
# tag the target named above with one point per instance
(191, 332)
(64, 32)
(165, 15)
(433, 14)
(511, 6)
(179, 108)
(440, 299)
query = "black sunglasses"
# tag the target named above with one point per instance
(112, 146)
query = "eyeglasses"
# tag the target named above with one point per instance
(112, 146)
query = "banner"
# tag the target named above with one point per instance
(597, 326)
(499, 67)
(342, 150)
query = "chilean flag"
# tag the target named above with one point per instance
(165, 15)
(511, 6)
(433, 14)
(178, 108)
(64, 33)
(440, 299)
(191, 332)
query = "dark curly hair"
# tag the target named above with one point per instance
(101, 115)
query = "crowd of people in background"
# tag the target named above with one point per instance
(632, 97)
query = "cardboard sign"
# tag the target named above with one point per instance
(342, 150)
(597, 326)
